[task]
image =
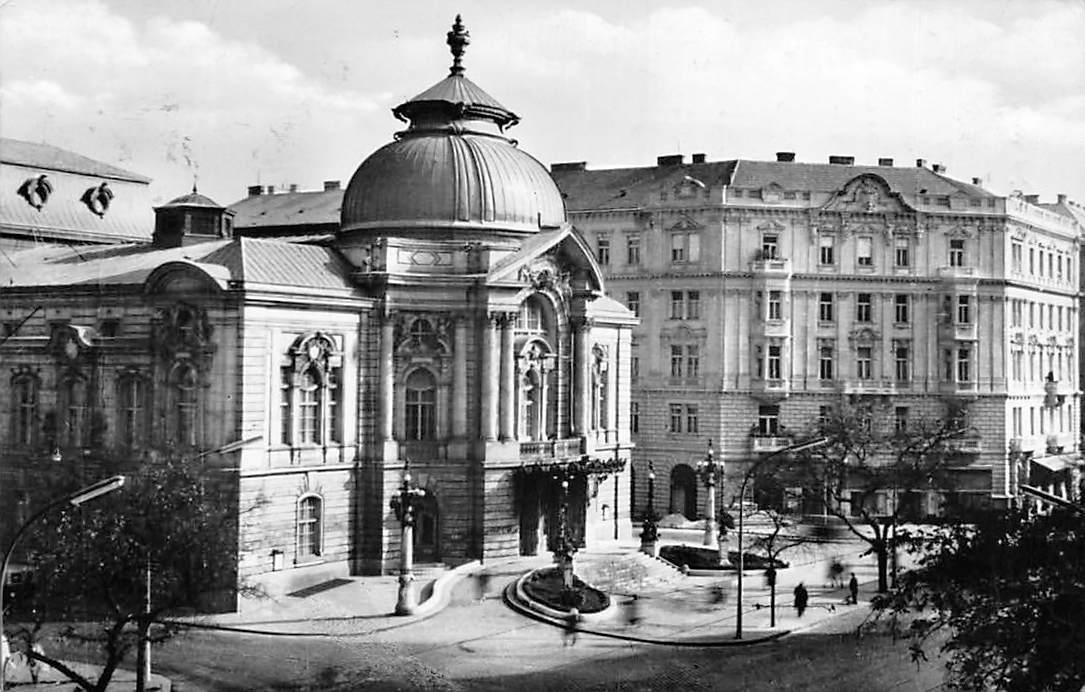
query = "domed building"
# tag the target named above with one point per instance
(450, 328)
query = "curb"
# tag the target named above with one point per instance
(528, 608)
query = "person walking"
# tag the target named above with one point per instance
(853, 588)
(572, 623)
(482, 586)
(632, 615)
(801, 598)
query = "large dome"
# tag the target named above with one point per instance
(453, 168)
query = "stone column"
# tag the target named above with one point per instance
(459, 379)
(543, 399)
(508, 380)
(489, 379)
(581, 377)
(611, 409)
(387, 378)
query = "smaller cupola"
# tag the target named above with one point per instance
(191, 218)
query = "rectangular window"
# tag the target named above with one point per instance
(685, 247)
(603, 251)
(1031, 261)
(964, 360)
(774, 366)
(693, 305)
(1041, 265)
(900, 307)
(693, 361)
(692, 425)
(864, 251)
(676, 361)
(1016, 254)
(309, 528)
(956, 252)
(901, 251)
(864, 369)
(825, 413)
(286, 429)
(863, 310)
(825, 363)
(1018, 421)
(634, 417)
(333, 385)
(825, 307)
(770, 245)
(826, 248)
(678, 305)
(903, 364)
(947, 364)
(632, 250)
(775, 307)
(1031, 314)
(900, 418)
(964, 309)
(132, 405)
(768, 420)
(632, 301)
(676, 418)
(1017, 365)
(634, 366)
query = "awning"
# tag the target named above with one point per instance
(1058, 462)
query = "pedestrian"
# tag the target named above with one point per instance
(482, 586)
(632, 614)
(718, 595)
(770, 577)
(853, 587)
(801, 598)
(836, 573)
(572, 623)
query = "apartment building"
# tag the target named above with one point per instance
(766, 289)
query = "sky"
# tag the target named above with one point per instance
(278, 92)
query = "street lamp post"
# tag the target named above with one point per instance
(708, 468)
(649, 534)
(75, 499)
(806, 444)
(404, 504)
(565, 549)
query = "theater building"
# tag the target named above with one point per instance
(453, 320)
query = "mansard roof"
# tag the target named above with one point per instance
(248, 260)
(47, 157)
(289, 209)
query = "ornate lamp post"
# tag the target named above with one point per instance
(403, 504)
(649, 533)
(708, 469)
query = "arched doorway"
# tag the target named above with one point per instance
(684, 491)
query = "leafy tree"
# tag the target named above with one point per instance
(170, 524)
(1007, 593)
(874, 465)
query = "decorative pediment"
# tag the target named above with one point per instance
(543, 274)
(315, 349)
(685, 223)
(182, 329)
(867, 194)
(864, 335)
(771, 225)
(961, 232)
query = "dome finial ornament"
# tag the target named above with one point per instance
(458, 39)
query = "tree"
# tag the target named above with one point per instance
(776, 540)
(1007, 592)
(876, 466)
(107, 575)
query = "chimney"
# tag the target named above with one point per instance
(1062, 198)
(256, 190)
(331, 185)
(842, 160)
(1032, 199)
(938, 168)
(921, 163)
(670, 160)
(977, 182)
(271, 189)
(569, 166)
(698, 158)
(785, 156)
(885, 162)
(293, 187)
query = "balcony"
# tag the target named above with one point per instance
(772, 266)
(551, 449)
(1060, 443)
(957, 331)
(962, 389)
(956, 273)
(969, 444)
(869, 387)
(774, 328)
(762, 443)
(769, 390)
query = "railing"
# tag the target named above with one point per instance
(771, 266)
(551, 449)
(956, 272)
(877, 387)
(768, 443)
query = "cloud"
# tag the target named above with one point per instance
(166, 97)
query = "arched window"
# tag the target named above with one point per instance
(186, 395)
(25, 402)
(421, 423)
(531, 406)
(530, 319)
(310, 528)
(310, 419)
(131, 410)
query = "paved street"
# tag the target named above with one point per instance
(487, 646)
